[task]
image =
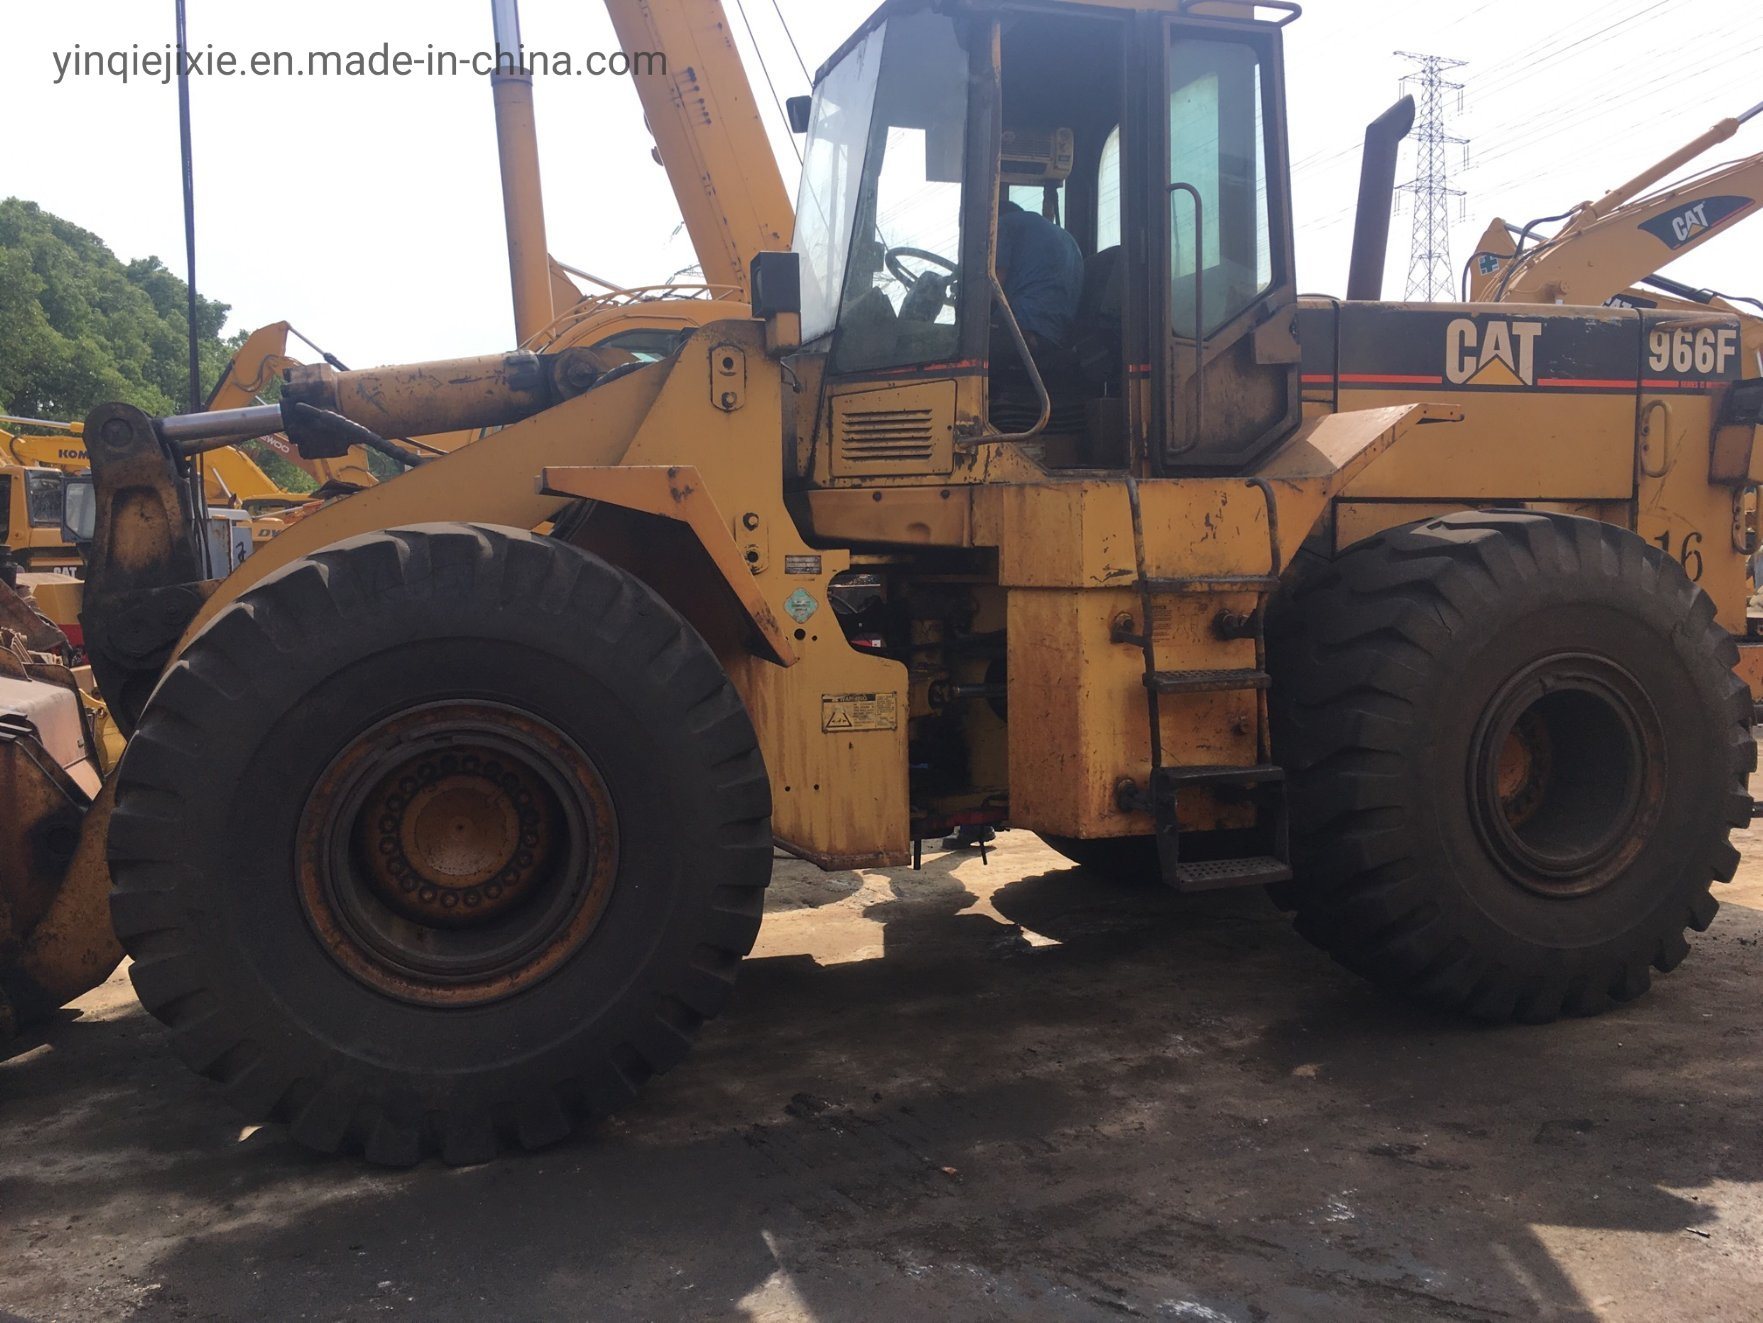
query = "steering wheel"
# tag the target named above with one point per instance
(926, 292)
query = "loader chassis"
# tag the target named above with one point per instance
(1616, 414)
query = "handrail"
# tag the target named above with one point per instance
(1199, 314)
(1034, 374)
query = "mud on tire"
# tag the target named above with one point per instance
(1515, 747)
(439, 839)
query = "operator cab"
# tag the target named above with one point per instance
(1154, 138)
(31, 510)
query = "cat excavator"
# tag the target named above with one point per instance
(1603, 249)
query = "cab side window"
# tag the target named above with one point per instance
(1217, 147)
(1108, 193)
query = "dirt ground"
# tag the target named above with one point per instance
(998, 1090)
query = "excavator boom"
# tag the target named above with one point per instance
(1625, 236)
(708, 133)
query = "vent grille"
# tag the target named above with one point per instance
(900, 436)
(894, 431)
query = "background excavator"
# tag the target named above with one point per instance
(1602, 250)
(33, 468)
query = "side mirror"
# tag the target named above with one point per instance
(775, 284)
(796, 111)
(776, 279)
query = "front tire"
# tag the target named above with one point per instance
(440, 838)
(1515, 748)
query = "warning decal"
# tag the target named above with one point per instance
(841, 712)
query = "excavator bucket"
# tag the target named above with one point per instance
(55, 935)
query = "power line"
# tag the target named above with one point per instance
(764, 70)
(1514, 69)
(791, 36)
(1642, 73)
(1637, 106)
(1430, 273)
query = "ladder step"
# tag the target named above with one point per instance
(1206, 682)
(1215, 583)
(1212, 874)
(1221, 774)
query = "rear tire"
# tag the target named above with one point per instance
(441, 838)
(1515, 748)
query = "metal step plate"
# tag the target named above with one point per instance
(1206, 682)
(1212, 874)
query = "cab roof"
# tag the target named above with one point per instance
(1271, 13)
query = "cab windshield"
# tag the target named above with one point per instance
(878, 215)
(42, 494)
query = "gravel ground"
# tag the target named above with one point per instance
(984, 1090)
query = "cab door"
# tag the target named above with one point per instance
(1225, 352)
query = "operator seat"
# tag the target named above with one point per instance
(1096, 344)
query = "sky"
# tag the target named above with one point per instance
(367, 211)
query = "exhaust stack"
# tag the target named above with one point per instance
(1377, 189)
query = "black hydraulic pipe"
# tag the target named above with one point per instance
(185, 156)
(192, 434)
(196, 478)
(1377, 190)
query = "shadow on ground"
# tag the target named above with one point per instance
(1048, 1096)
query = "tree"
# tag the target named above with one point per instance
(79, 327)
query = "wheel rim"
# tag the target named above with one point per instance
(1567, 773)
(457, 853)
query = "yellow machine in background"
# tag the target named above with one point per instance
(33, 466)
(1601, 248)
(1611, 251)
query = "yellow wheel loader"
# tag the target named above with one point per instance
(435, 834)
